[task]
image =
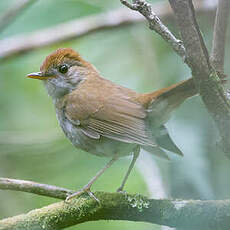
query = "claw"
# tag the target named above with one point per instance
(120, 190)
(75, 194)
(93, 196)
(87, 187)
(81, 191)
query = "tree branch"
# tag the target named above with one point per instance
(206, 78)
(188, 214)
(175, 213)
(74, 29)
(197, 54)
(219, 34)
(117, 206)
(11, 14)
(33, 187)
(155, 24)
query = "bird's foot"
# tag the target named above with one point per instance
(85, 189)
(120, 190)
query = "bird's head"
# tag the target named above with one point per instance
(62, 71)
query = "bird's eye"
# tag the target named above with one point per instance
(63, 69)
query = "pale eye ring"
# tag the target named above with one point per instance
(63, 69)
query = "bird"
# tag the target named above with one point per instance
(107, 119)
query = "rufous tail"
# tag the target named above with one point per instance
(162, 102)
(176, 93)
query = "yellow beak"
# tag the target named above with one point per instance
(39, 75)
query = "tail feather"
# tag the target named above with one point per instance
(156, 151)
(179, 91)
(159, 105)
(164, 101)
(165, 141)
(175, 94)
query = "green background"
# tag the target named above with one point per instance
(33, 147)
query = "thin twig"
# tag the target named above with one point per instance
(219, 34)
(11, 14)
(74, 29)
(33, 187)
(155, 24)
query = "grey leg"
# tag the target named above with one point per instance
(86, 188)
(135, 156)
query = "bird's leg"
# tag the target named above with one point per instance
(135, 156)
(86, 188)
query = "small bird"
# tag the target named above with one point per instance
(106, 119)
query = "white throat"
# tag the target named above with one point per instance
(57, 88)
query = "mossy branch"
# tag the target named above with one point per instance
(189, 214)
(185, 214)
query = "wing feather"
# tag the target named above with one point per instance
(113, 114)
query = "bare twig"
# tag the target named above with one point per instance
(11, 14)
(184, 214)
(155, 24)
(74, 29)
(33, 187)
(219, 34)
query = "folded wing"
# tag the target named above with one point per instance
(111, 114)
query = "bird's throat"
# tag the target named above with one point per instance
(57, 90)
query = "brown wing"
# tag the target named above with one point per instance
(105, 109)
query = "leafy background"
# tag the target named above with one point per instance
(33, 147)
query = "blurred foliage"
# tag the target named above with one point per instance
(33, 147)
